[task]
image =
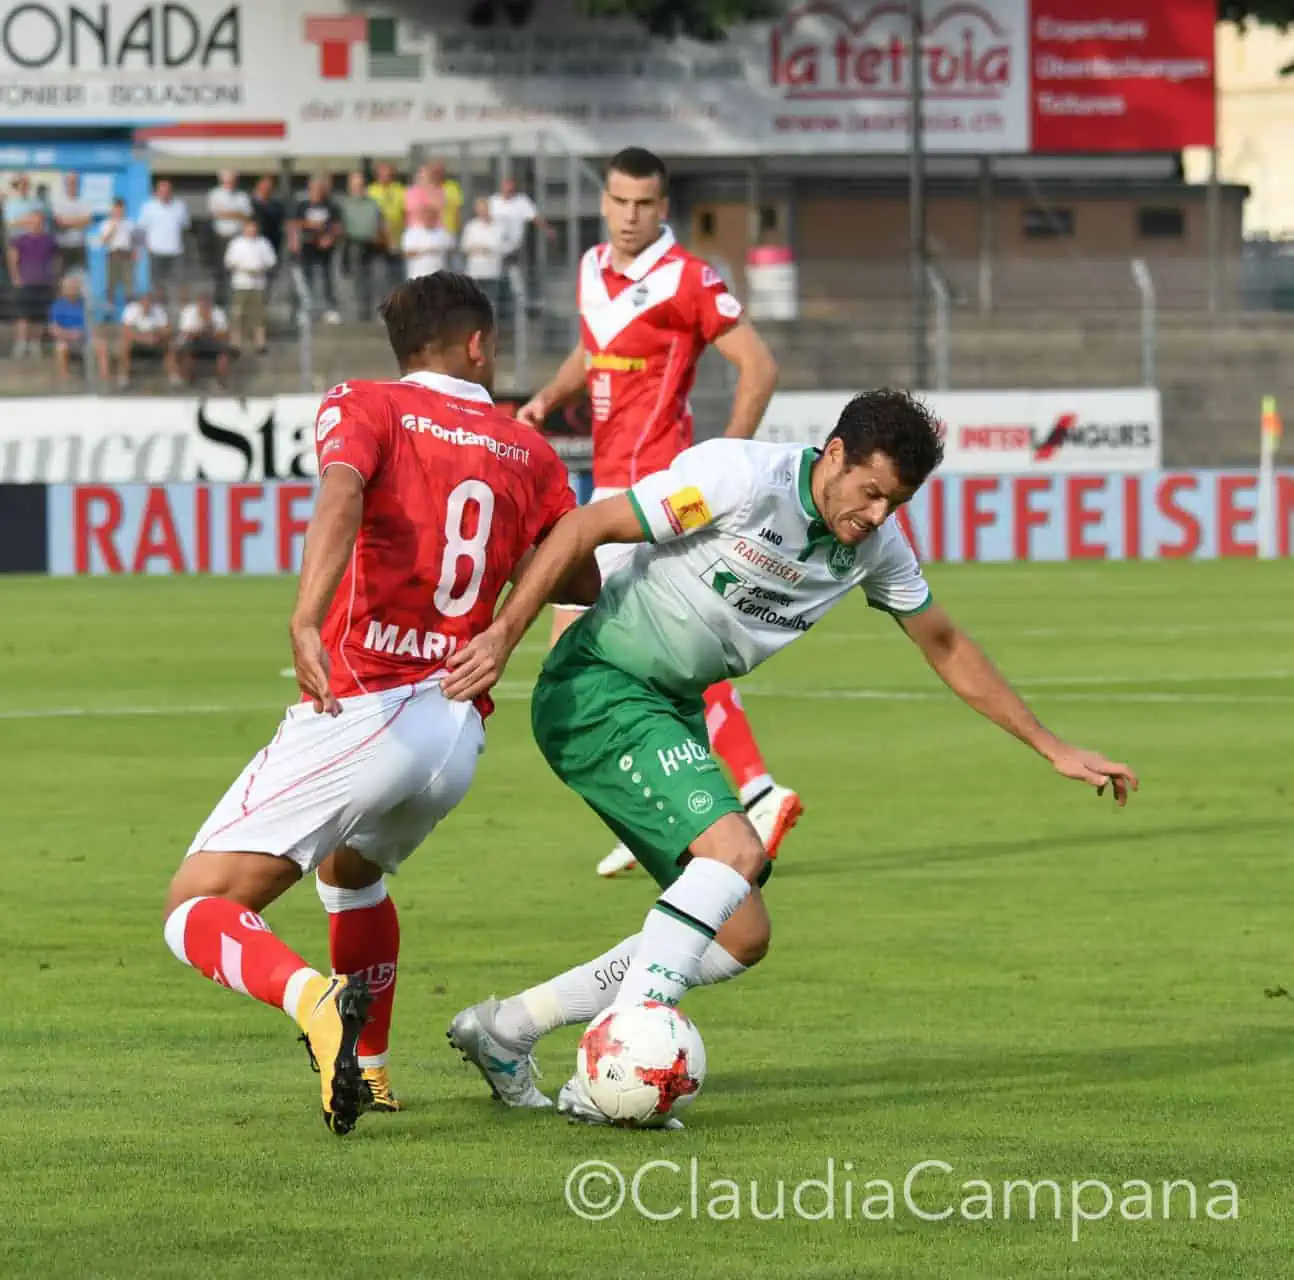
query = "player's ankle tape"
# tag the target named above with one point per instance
(336, 900)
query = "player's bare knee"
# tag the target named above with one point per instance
(252, 879)
(345, 868)
(734, 842)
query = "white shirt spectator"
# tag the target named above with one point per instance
(145, 319)
(426, 250)
(249, 260)
(192, 324)
(80, 209)
(483, 245)
(228, 210)
(513, 214)
(118, 236)
(163, 226)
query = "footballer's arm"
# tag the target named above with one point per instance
(579, 589)
(969, 672)
(575, 537)
(756, 369)
(330, 539)
(565, 384)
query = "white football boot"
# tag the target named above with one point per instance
(619, 860)
(773, 815)
(506, 1069)
(574, 1103)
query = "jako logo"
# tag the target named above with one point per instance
(769, 536)
(820, 51)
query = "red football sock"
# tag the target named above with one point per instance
(733, 740)
(232, 945)
(364, 938)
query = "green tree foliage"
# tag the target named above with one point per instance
(1274, 13)
(699, 19)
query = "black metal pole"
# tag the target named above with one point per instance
(917, 204)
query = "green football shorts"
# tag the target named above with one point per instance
(639, 758)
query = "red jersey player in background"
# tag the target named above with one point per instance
(648, 309)
(429, 500)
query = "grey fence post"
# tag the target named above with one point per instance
(1149, 320)
(943, 326)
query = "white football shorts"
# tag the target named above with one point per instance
(611, 555)
(377, 778)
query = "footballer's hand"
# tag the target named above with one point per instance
(477, 666)
(1094, 769)
(310, 660)
(533, 412)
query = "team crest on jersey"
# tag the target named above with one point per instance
(641, 294)
(840, 560)
(687, 509)
(727, 306)
(328, 419)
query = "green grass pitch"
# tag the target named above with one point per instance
(973, 962)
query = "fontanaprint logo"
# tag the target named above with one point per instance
(337, 36)
(723, 579)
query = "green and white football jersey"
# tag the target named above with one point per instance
(739, 563)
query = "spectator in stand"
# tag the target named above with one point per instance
(204, 335)
(34, 270)
(19, 206)
(67, 326)
(249, 259)
(482, 248)
(365, 233)
(427, 245)
(228, 208)
(163, 221)
(117, 236)
(514, 211)
(73, 215)
(389, 193)
(431, 190)
(270, 215)
(312, 235)
(146, 334)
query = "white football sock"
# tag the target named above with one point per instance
(576, 996)
(752, 790)
(678, 929)
(580, 994)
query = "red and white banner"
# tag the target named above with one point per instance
(1007, 432)
(260, 528)
(1122, 75)
(999, 77)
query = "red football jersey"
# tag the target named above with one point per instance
(643, 331)
(455, 493)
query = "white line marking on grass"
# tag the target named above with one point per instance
(514, 691)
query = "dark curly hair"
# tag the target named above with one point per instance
(434, 311)
(895, 424)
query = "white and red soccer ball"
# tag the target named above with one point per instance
(641, 1064)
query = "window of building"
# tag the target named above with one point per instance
(1047, 224)
(768, 218)
(1161, 224)
(705, 222)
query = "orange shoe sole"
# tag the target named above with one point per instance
(791, 812)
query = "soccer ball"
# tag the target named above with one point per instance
(641, 1064)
